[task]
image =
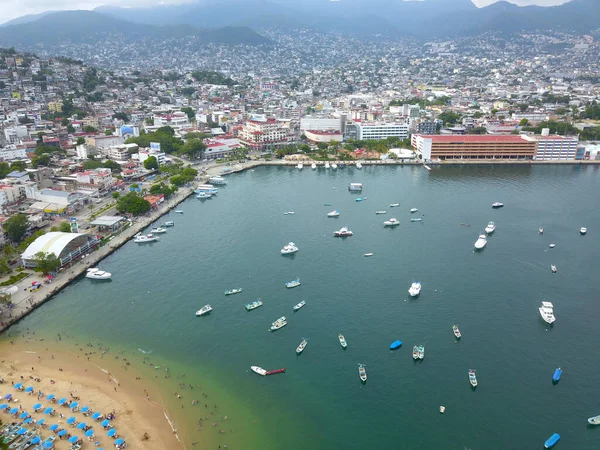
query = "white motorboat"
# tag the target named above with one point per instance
(358, 165)
(368, 254)
(203, 195)
(313, 166)
(472, 378)
(253, 305)
(553, 268)
(335, 213)
(327, 166)
(169, 224)
(217, 180)
(299, 305)
(547, 312)
(279, 323)
(158, 230)
(178, 211)
(541, 230)
(289, 249)
(491, 226)
(392, 222)
(415, 289)
(301, 347)
(355, 187)
(552, 245)
(97, 274)
(293, 283)
(343, 232)
(258, 370)
(497, 205)
(141, 238)
(582, 230)
(481, 242)
(204, 310)
(394, 205)
(233, 291)
(300, 166)
(207, 188)
(334, 166)
(362, 373)
(413, 210)
(342, 340)
(380, 212)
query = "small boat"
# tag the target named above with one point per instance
(481, 242)
(141, 239)
(204, 310)
(293, 283)
(207, 189)
(217, 180)
(334, 166)
(289, 213)
(97, 274)
(491, 226)
(299, 305)
(358, 165)
(368, 254)
(421, 352)
(233, 291)
(582, 230)
(552, 245)
(301, 347)
(547, 312)
(417, 219)
(415, 352)
(342, 340)
(362, 373)
(327, 166)
(392, 222)
(343, 232)
(358, 199)
(169, 224)
(415, 289)
(300, 166)
(158, 230)
(203, 195)
(552, 440)
(289, 249)
(394, 205)
(258, 370)
(413, 210)
(253, 305)
(313, 166)
(594, 420)
(456, 332)
(396, 344)
(557, 375)
(442, 408)
(327, 204)
(472, 378)
(178, 211)
(355, 187)
(273, 372)
(335, 213)
(380, 212)
(553, 268)
(540, 230)
(279, 323)
(497, 205)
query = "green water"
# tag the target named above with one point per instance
(493, 295)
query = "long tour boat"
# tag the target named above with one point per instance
(343, 232)
(547, 312)
(204, 310)
(279, 323)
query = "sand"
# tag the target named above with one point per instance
(129, 396)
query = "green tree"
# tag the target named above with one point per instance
(91, 164)
(108, 132)
(478, 130)
(18, 165)
(89, 129)
(112, 165)
(64, 122)
(4, 169)
(561, 111)
(65, 227)
(115, 195)
(46, 262)
(133, 204)
(189, 112)
(449, 117)
(121, 116)
(80, 140)
(151, 163)
(15, 227)
(70, 128)
(193, 148)
(4, 269)
(42, 160)
(523, 122)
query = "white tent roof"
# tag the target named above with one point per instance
(53, 242)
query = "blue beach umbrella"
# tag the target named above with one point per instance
(24, 415)
(37, 406)
(28, 421)
(74, 405)
(13, 411)
(41, 421)
(7, 396)
(36, 440)
(71, 420)
(96, 415)
(50, 397)
(29, 389)
(112, 432)
(89, 433)
(119, 441)
(85, 409)
(105, 423)
(62, 401)
(73, 439)
(18, 385)
(81, 425)
(61, 433)
(3, 406)
(47, 444)
(21, 431)
(48, 410)
(53, 427)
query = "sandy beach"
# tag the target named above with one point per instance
(83, 375)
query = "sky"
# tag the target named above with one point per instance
(9, 9)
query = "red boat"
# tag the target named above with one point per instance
(273, 372)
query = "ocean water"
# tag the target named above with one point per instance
(319, 403)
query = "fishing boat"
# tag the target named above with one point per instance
(396, 344)
(178, 211)
(289, 249)
(313, 166)
(233, 291)
(380, 212)
(413, 210)
(335, 213)
(552, 440)
(594, 420)
(362, 373)
(368, 254)
(342, 340)
(553, 268)
(358, 165)
(415, 352)
(279, 323)
(203, 195)
(327, 166)
(142, 239)
(547, 312)
(540, 230)
(300, 166)
(293, 283)
(299, 305)
(159, 230)
(394, 205)
(97, 274)
(497, 205)
(456, 332)
(417, 219)
(169, 224)
(415, 289)
(391, 222)
(301, 347)
(491, 226)
(258, 370)
(481, 242)
(343, 232)
(421, 352)
(472, 378)
(204, 310)
(273, 372)
(557, 374)
(253, 305)
(582, 230)
(217, 180)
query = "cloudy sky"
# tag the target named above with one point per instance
(9, 9)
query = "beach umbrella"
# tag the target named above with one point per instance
(73, 439)
(105, 423)
(36, 440)
(28, 421)
(13, 411)
(18, 385)
(61, 433)
(53, 427)
(24, 415)
(41, 421)
(71, 420)
(74, 405)
(85, 409)
(50, 397)
(81, 425)
(37, 406)
(119, 441)
(62, 401)
(89, 433)
(48, 410)
(4, 406)
(47, 444)
(7, 396)
(112, 432)
(21, 431)
(95, 416)
(29, 389)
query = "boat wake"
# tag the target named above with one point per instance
(145, 352)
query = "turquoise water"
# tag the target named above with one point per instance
(493, 295)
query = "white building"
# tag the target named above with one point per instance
(551, 148)
(259, 134)
(15, 134)
(161, 157)
(366, 131)
(121, 152)
(11, 152)
(220, 148)
(317, 136)
(320, 124)
(176, 120)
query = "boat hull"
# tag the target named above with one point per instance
(552, 440)
(396, 344)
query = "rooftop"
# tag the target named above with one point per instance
(459, 138)
(107, 221)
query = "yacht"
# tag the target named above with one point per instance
(358, 165)
(301, 347)
(293, 283)
(380, 212)
(335, 213)
(327, 166)
(472, 378)
(553, 268)
(491, 226)
(362, 373)
(481, 242)
(355, 187)
(140, 238)
(342, 340)
(497, 205)
(158, 230)
(178, 211)
(391, 222)
(97, 274)
(334, 166)
(204, 310)
(343, 232)
(421, 352)
(413, 210)
(313, 166)
(258, 370)
(594, 420)
(169, 224)
(289, 249)
(203, 195)
(279, 323)
(300, 166)
(547, 312)
(299, 305)
(217, 180)
(415, 289)
(415, 352)
(394, 205)
(255, 304)
(456, 332)
(233, 291)
(582, 230)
